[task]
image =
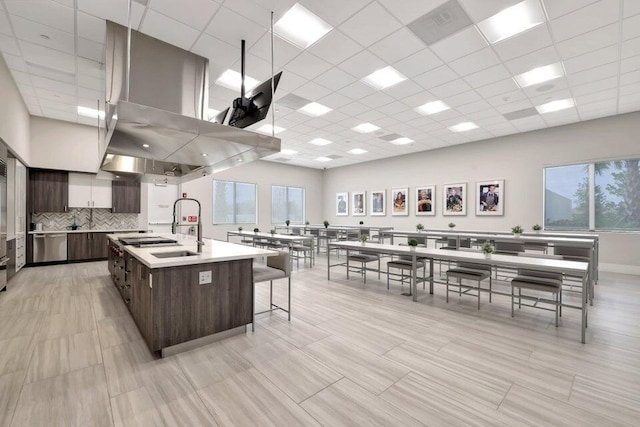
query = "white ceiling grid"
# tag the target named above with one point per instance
(597, 41)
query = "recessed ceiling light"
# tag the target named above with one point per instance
(301, 27)
(314, 109)
(323, 159)
(366, 128)
(267, 129)
(212, 113)
(357, 151)
(204, 154)
(384, 78)
(552, 106)
(117, 176)
(44, 36)
(232, 80)
(540, 74)
(463, 127)
(512, 20)
(288, 152)
(320, 141)
(145, 145)
(432, 108)
(90, 112)
(402, 141)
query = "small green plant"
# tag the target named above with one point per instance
(536, 227)
(419, 227)
(364, 237)
(361, 222)
(487, 248)
(256, 230)
(307, 223)
(239, 228)
(412, 242)
(273, 231)
(288, 222)
(517, 229)
(452, 225)
(326, 223)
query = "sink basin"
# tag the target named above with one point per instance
(176, 254)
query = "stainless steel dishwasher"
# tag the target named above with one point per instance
(48, 247)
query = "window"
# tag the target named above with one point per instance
(595, 196)
(234, 202)
(287, 203)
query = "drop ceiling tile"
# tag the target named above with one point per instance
(463, 99)
(630, 89)
(91, 28)
(90, 68)
(497, 88)
(631, 7)
(289, 82)
(460, 44)
(308, 65)
(194, 13)
(8, 45)
(596, 106)
(404, 89)
(169, 30)
(371, 24)
(397, 46)
(35, 54)
(113, 10)
(588, 18)
(15, 62)
(555, 9)
(357, 90)
(631, 48)
(283, 51)
(529, 123)
(597, 86)
(409, 10)
(480, 10)
(506, 98)
(335, 47)
(529, 41)
(91, 94)
(354, 109)
(390, 109)
(21, 77)
(335, 79)
(53, 85)
(593, 74)
(5, 26)
(335, 100)
(334, 12)
(231, 28)
(485, 77)
(474, 62)
(418, 63)
(539, 58)
(216, 50)
(44, 12)
(630, 78)
(70, 108)
(90, 50)
(474, 107)
(450, 89)
(312, 91)
(362, 64)
(54, 96)
(548, 97)
(26, 90)
(596, 96)
(592, 59)
(627, 65)
(436, 77)
(37, 70)
(377, 99)
(631, 27)
(259, 11)
(86, 121)
(546, 88)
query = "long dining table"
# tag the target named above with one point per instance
(290, 240)
(565, 267)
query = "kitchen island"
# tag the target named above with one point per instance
(177, 296)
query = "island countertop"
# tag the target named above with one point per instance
(212, 251)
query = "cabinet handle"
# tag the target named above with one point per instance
(88, 203)
(93, 203)
(128, 300)
(65, 208)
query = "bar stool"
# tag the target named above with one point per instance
(538, 281)
(363, 257)
(405, 263)
(469, 271)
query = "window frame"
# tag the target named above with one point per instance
(235, 211)
(304, 202)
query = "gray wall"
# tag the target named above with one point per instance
(518, 159)
(14, 116)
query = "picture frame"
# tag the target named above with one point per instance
(454, 199)
(377, 203)
(399, 202)
(358, 203)
(425, 201)
(342, 204)
(490, 198)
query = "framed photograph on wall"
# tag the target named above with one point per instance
(490, 198)
(425, 201)
(454, 200)
(342, 204)
(399, 202)
(358, 203)
(377, 203)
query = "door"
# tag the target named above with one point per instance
(79, 190)
(79, 246)
(160, 206)
(126, 197)
(101, 193)
(48, 190)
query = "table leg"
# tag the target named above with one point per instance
(585, 297)
(431, 276)
(328, 265)
(414, 279)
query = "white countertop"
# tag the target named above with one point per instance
(87, 231)
(212, 251)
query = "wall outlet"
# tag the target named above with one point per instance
(205, 277)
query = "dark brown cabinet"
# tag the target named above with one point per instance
(86, 246)
(48, 190)
(125, 197)
(141, 297)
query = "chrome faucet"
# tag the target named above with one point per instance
(175, 225)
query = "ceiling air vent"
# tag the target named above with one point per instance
(334, 157)
(391, 137)
(441, 22)
(281, 159)
(520, 114)
(293, 101)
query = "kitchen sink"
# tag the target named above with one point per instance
(176, 254)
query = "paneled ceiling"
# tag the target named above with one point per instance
(54, 50)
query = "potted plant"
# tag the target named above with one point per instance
(517, 230)
(287, 222)
(452, 225)
(487, 249)
(307, 223)
(363, 238)
(419, 227)
(256, 230)
(240, 229)
(412, 244)
(536, 228)
(326, 224)
(361, 222)
(272, 231)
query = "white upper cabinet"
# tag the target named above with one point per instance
(87, 191)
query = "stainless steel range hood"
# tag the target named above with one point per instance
(155, 114)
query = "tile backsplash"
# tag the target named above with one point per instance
(103, 219)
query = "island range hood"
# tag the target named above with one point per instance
(156, 110)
